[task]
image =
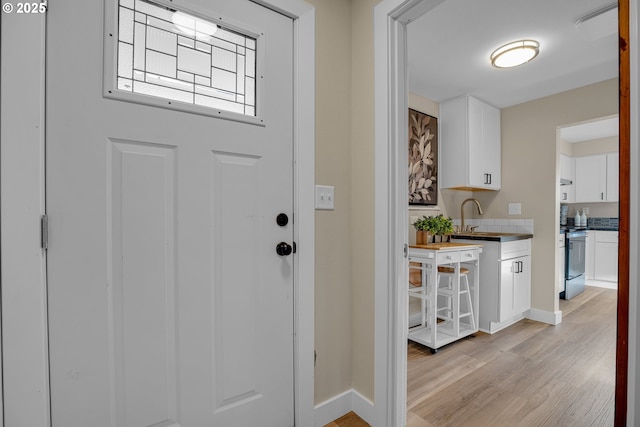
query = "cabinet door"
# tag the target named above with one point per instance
(560, 263)
(492, 146)
(613, 166)
(606, 256)
(507, 277)
(522, 285)
(484, 145)
(566, 168)
(590, 257)
(591, 172)
(453, 127)
(567, 171)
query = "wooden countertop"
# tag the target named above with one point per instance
(445, 245)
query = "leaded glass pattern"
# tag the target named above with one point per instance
(180, 57)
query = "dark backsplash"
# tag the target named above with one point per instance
(598, 223)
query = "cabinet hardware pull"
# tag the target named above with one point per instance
(601, 196)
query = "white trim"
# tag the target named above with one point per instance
(363, 407)
(633, 384)
(332, 409)
(391, 222)
(552, 318)
(304, 223)
(341, 404)
(25, 363)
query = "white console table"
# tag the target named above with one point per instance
(435, 331)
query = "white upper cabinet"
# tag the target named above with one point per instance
(567, 172)
(613, 168)
(596, 178)
(469, 144)
(591, 178)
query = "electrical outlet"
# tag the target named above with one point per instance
(515, 209)
(324, 197)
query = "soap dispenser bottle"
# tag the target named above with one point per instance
(577, 220)
(583, 219)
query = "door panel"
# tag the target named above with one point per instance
(168, 303)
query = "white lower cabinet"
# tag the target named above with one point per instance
(590, 255)
(561, 259)
(606, 256)
(515, 288)
(505, 283)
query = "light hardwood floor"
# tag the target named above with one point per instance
(348, 420)
(530, 374)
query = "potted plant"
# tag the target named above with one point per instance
(429, 226)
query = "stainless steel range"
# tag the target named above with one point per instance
(574, 268)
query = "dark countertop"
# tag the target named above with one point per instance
(492, 236)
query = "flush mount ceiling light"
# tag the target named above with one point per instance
(514, 53)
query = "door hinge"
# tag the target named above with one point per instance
(44, 232)
(406, 250)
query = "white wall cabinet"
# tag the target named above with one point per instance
(567, 171)
(591, 178)
(613, 168)
(596, 178)
(606, 256)
(470, 144)
(505, 283)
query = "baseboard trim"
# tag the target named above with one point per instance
(552, 318)
(343, 403)
(363, 407)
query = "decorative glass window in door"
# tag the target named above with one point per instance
(177, 56)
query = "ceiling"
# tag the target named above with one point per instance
(449, 48)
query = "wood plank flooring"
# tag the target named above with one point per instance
(348, 420)
(530, 374)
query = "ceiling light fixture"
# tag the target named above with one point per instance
(515, 53)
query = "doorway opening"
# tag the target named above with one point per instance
(392, 17)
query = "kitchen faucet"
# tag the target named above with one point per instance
(462, 213)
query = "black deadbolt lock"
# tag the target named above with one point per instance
(282, 219)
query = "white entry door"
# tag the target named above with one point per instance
(168, 304)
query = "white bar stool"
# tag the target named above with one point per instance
(451, 311)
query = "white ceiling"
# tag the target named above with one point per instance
(449, 50)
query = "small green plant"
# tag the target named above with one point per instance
(435, 225)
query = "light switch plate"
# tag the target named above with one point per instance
(515, 209)
(324, 197)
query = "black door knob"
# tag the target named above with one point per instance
(283, 249)
(282, 219)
